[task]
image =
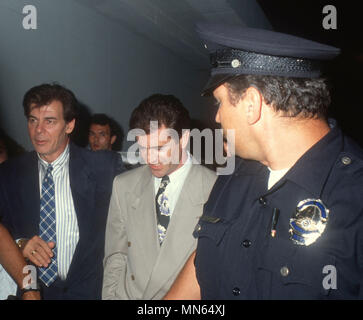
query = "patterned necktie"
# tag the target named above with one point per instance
(47, 226)
(162, 209)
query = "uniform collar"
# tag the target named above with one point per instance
(313, 168)
(310, 171)
(248, 167)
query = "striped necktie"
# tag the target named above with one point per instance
(162, 209)
(47, 225)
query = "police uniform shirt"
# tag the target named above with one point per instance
(237, 257)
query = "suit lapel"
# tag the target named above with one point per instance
(83, 186)
(179, 241)
(142, 211)
(29, 194)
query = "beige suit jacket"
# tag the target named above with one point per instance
(135, 265)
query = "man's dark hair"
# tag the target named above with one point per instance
(166, 109)
(103, 120)
(309, 98)
(45, 94)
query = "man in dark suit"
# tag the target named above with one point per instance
(105, 134)
(56, 198)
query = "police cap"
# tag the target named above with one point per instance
(236, 50)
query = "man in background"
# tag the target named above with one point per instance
(104, 134)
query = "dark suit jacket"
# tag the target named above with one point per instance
(91, 175)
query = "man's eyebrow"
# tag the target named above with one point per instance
(98, 131)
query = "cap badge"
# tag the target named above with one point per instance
(309, 222)
(235, 63)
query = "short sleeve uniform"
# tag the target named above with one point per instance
(238, 258)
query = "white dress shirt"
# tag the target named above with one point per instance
(66, 218)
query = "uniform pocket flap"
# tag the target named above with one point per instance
(211, 227)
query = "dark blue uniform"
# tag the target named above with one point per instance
(237, 257)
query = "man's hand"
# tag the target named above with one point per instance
(31, 295)
(38, 251)
(186, 286)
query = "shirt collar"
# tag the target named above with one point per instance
(177, 174)
(58, 163)
(180, 172)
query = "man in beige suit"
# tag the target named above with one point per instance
(154, 208)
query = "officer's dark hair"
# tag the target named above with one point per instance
(166, 109)
(309, 98)
(45, 94)
(103, 120)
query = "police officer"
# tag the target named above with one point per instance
(288, 223)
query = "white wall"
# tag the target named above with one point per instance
(109, 68)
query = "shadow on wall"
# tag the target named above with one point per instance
(117, 145)
(9, 148)
(347, 83)
(80, 133)
(207, 144)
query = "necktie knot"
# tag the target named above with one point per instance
(49, 169)
(164, 182)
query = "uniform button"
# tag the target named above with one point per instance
(346, 160)
(284, 271)
(246, 243)
(236, 291)
(262, 201)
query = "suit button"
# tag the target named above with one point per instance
(262, 201)
(129, 244)
(346, 160)
(236, 291)
(132, 277)
(246, 243)
(284, 271)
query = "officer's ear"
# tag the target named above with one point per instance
(253, 102)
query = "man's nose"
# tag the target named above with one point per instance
(39, 127)
(152, 156)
